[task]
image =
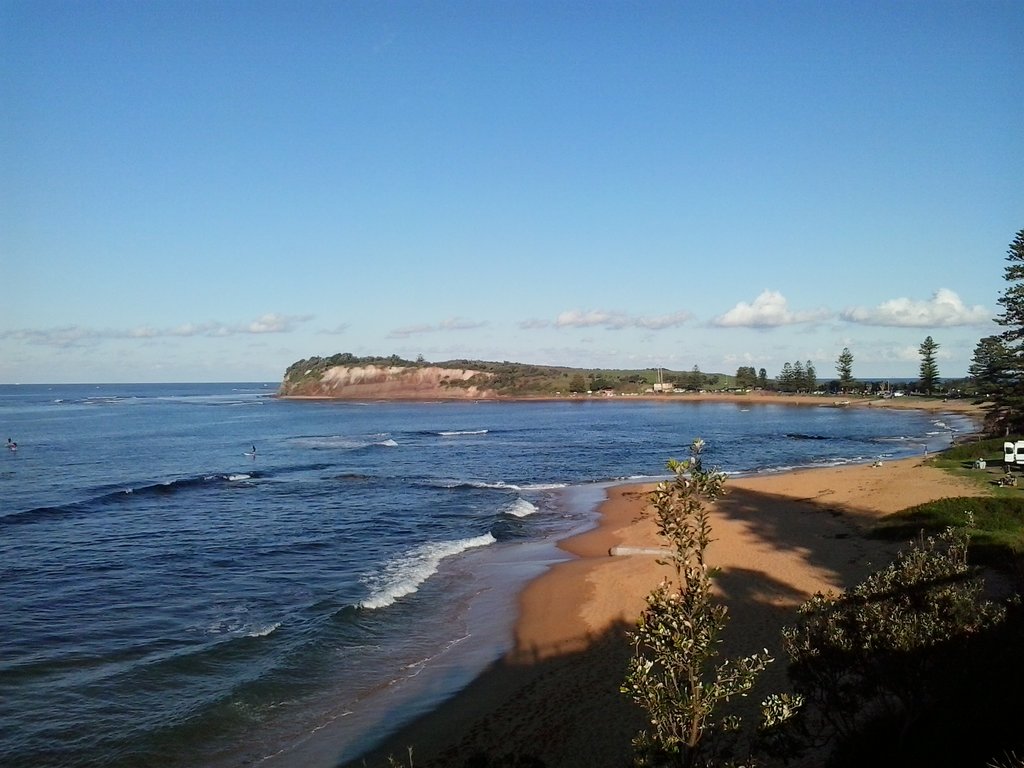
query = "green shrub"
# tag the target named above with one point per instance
(889, 649)
(996, 533)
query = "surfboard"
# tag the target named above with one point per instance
(248, 453)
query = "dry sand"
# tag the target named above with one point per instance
(778, 539)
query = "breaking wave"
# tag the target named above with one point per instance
(404, 575)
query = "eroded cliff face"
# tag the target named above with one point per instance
(379, 382)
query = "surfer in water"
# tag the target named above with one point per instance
(11, 446)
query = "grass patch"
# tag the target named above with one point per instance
(959, 460)
(997, 537)
(990, 449)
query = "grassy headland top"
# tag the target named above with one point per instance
(347, 376)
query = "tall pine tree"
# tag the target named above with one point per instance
(844, 367)
(810, 377)
(929, 368)
(1007, 412)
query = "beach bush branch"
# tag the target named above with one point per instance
(672, 673)
(884, 649)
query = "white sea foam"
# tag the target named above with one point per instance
(496, 486)
(389, 443)
(239, 477)
(237, 625)
(404, 575)
(457, 433)
(342, 442)
(521, 508)
(264, 630)
(543, 486)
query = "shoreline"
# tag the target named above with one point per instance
(778, 538)
(961, 406)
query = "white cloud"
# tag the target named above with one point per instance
(451, 324)
(576, 318)
(410, 330)
(769, 310)
(743, 358)
(662, 322)
(534, 324)
(612, 321)
(76, 336)
(944, 310)
(64, 337)
(459, 324)
(194, 329)
(274, 323)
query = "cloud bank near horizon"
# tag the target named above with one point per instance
(450, 324)
(769, 310)
(76, 335)
(609, 320)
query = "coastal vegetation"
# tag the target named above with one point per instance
(907, 667)
(797, 377)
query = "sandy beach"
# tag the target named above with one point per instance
(778, 539)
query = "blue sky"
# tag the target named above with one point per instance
(209, 191)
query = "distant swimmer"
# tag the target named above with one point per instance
(11, 446)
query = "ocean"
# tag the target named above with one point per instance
(171, 598)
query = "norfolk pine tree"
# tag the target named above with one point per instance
(990, 363)
(929, 368)
(1008, 411)
(844, 367)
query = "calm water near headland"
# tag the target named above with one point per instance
(170, 600)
